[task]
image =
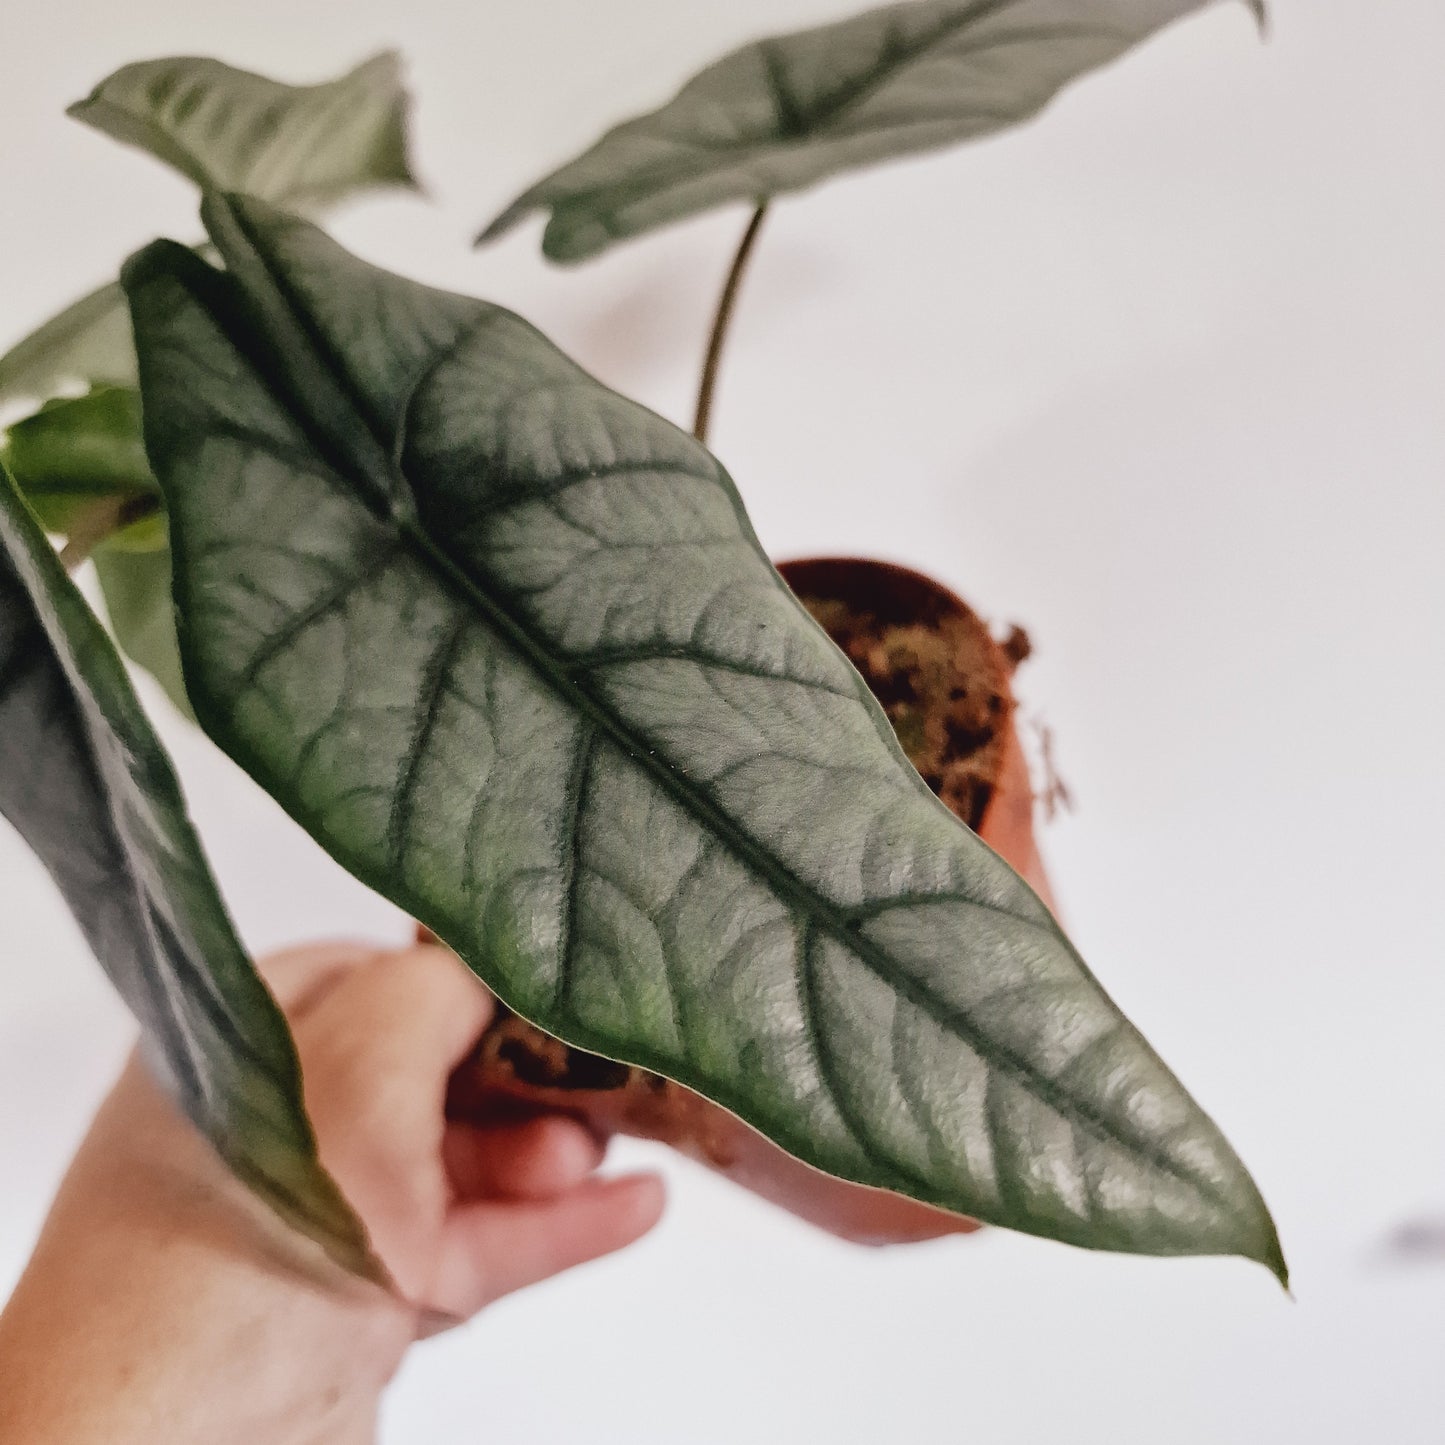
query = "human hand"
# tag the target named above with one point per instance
(164, 1302)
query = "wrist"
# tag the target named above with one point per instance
(163, 1302)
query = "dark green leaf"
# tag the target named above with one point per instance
(79, 450)
(506, 644)
(86, 782)
(785, 113)
(302, 146)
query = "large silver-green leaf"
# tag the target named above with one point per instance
(88, 785)
(506, 644)
(784, 113)
(303, 146)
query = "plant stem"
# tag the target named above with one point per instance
(720, 323)
(92, 526)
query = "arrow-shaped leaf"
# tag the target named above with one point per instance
(303, 146)
(506, 644)
(782, 114)
(88, 785)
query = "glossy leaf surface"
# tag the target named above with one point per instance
(784, 113)
(87, 784)
(506, 644)
(302, 146)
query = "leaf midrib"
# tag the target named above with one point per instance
(895, 59)
(817, 910)
(777, 875)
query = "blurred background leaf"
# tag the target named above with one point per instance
(784, 113)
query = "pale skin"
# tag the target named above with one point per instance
(163, 1303)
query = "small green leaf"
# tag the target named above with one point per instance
(782, 114)
(506, 644)
(136, 586)
(303, 146)
(88, 785)
(80, 453)
(306, 147)
(76, 451)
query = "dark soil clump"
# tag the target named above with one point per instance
(944, 685)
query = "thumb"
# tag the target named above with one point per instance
(376, 1050)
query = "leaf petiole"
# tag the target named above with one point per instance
(107, 517)
(721, 321)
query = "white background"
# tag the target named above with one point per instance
(1160, 377)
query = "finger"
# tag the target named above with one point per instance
(491, 1249)
(535, 1159)
(376, 1050)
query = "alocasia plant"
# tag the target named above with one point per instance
(505, 643)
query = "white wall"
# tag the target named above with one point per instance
(1161, 378)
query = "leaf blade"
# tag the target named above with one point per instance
(86, 783)
(76, 451)
(783, 114)
(525, 670)
(88, 342)
(303, 146)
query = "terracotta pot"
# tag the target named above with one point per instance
(518, 1069)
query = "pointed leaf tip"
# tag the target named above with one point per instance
(502, 223)
(1274, 1260)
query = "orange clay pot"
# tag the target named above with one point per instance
(516, 1069)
